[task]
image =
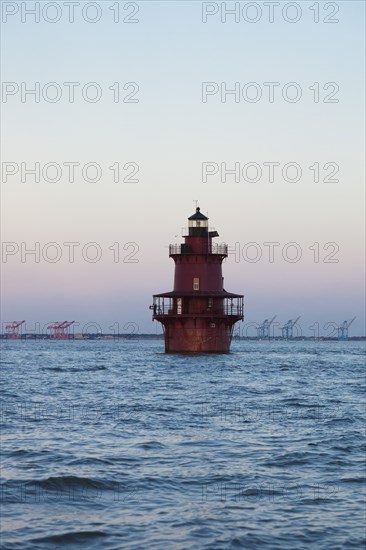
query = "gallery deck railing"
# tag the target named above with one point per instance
(220, 249)
(226, 309)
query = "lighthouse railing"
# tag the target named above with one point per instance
(181, 306)
(214, 248)
(185, 230)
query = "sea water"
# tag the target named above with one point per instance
(114, 444)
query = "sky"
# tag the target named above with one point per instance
(149, 101)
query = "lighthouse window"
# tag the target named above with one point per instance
(210, 302)
(179, 306)
(196, 283)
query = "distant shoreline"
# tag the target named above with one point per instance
(109, 337)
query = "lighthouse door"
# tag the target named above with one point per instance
(179, 306)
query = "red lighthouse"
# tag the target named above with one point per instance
(198, 315)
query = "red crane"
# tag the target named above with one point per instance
(53, 329)
(59, 330)
(13, 329)
(63, 333)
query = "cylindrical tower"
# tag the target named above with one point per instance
(198, 315)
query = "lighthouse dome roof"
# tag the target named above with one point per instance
(197, 215)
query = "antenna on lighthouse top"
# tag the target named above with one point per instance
(196, 203)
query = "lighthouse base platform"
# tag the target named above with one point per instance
(198, 336)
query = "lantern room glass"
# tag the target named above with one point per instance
(197, 223)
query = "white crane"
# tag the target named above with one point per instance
(343, 329)
(287, 329)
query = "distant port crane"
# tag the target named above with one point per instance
(59, 330)
(343, 329)
(263, 330)
(287, 329)
(13, 329)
